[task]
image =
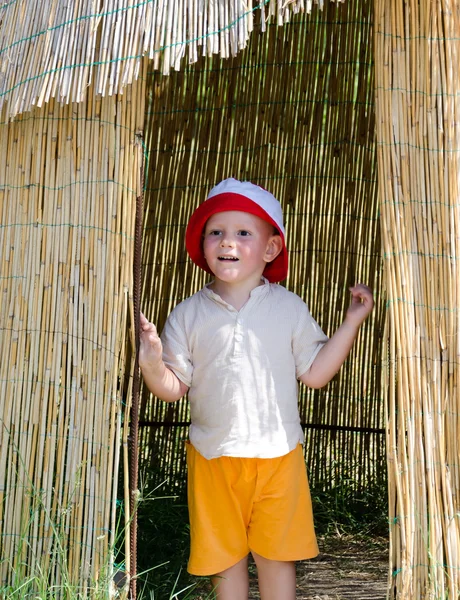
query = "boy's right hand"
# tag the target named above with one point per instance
(159, 379)
(150, 347)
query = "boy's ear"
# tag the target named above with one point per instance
(274, 247)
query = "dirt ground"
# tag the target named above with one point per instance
(348, 568)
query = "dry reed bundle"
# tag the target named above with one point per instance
(68, 184)
(418, 96)
(51, 49)
(293, 112)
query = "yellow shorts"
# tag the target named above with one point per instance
(239, 505)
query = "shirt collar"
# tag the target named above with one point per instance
(257, 292)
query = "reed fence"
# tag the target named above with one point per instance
(69, 180)
(417, 86)
(294, 112)
(56, 49)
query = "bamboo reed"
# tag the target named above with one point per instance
(52, 50)
(417, 108)
(66, 197)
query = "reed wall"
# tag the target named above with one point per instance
(294, 112)
(417, 87)
(69, 178)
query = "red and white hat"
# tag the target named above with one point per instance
(243, 196)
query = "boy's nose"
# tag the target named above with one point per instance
(227, 241)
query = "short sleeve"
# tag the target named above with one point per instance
(176, 351)
(307, 340)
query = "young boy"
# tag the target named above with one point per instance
(238, 347)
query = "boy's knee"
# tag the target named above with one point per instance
(233, 583)
(276, 566)
(277, 579)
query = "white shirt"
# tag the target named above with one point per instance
(242, 369)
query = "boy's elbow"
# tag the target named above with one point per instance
(313, 380)
(169, 399)
(173, 397)
(316, 385)
(167, 387)
(176, 394)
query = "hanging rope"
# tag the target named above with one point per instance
(134, 422)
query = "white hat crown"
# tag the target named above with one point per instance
(267, 201)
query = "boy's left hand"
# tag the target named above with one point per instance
(332, 355)
(362, 303)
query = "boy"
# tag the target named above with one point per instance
(238, 347)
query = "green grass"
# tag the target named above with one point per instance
(45, 575)
(345, 510)
(163, 546)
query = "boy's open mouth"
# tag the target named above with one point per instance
(231, 258)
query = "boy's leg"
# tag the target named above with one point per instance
(233, 583)
(277, 579)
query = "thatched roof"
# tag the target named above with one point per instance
(57, 49)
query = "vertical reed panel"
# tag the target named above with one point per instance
(67, 195)
(418, 95)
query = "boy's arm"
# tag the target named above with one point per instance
(160, 380)
(333, 354)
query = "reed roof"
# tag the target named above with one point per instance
(56, 49)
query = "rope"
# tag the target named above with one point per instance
(134, 429)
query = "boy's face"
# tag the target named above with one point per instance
(238, 245)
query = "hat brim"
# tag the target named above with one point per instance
(275, 270)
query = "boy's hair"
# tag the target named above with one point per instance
(243, 196)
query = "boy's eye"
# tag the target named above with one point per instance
(214, 232)
(243, 232)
